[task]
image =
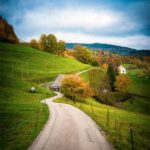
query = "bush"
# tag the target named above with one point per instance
(94, 63)
(75, 88)
(111, 98)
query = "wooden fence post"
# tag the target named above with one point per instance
(22, 72)
(131, 133)
(107, 117)
(27, 71)
(46, 65)
(91, 107)
(12, 71)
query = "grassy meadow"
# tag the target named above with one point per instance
(22, 116)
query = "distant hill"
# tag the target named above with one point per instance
(141, 53)
(7, 33)
(112, 48)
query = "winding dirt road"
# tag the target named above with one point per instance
(68, 128)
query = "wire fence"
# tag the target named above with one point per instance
(120, 131)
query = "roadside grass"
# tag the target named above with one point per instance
(22, 115)
(116, 125)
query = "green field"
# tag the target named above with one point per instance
(22, 115)
(140, 86)
(134, 71)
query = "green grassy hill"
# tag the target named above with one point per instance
(22, 115)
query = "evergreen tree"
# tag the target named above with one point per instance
(112, 76)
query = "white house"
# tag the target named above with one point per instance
(57, 83)
(122, 70)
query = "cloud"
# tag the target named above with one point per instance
(85, 19)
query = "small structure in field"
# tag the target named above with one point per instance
(33, 90)
(57, 83)
(122, 70)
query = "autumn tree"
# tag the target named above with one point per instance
(51, 44)
(82, 54)
(105, 66)
(7, 33)
(74, 87)
(122, 82)
(34, 43)
(60, 47)
(43, 42)
(48, 43)
(68, 53)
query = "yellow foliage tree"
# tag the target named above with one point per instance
(34, 43)
(122, 82)
(105, 66)
(74, 87)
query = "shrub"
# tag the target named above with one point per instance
(94, 63)
(111, 98)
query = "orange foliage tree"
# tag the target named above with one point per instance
(75, 88)
(105, 66)
(122, 82)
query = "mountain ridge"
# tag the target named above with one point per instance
(122, 50)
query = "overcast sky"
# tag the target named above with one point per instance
(119, 22)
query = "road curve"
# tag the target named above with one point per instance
(68, 128)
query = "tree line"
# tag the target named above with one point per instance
(48, 43)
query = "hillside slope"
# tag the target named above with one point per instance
(21, 113)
